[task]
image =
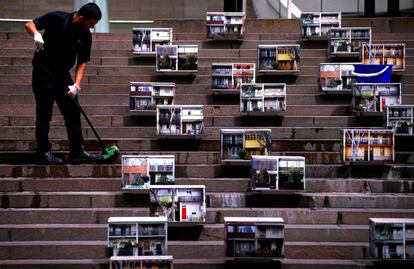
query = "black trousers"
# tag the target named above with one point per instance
(45, 98)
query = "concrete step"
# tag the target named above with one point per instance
(359, 185)
(359, 200)
(12, 57)
(298, 250)
(309, 66)
(238, 185)
(325, 250)
(382, 27)
(209, 110)
(200, 170)
(53, 249)
(220, 121)
(181, 157)
(187, 264)
(136, 145)
(209, 232)
(182, 98)
(196, 249)
(181, 89)
(209, 171)
(122, 70)
(53, 263)
(324, 157)
(53, 232)
(195, 30)
(89, 199)
(332, 216)
(178, 249)
(107, 199)
(18, 185)
(123, 99)
(27, 133)
(72, 200)
(293, 121)
(326, 263)
(125, 43)
(326, 233)
(9, 50)
(67, 215)
(311, 200)
(197, 79)
(13, 62)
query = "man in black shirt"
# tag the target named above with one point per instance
(66, 39)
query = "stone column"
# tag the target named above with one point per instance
(393, 8)
(369, 8)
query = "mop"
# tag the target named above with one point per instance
(110, 153)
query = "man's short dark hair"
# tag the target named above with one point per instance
(90, 11)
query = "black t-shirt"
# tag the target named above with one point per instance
(63, 44)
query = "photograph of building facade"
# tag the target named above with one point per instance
(391, 238)
(318, 24)
(254, 237)
(225, 25)
(278, 58)
(142, 171)
(241, 144)
(277, 173)
(374, 97)
(179, 203)
(142, 262)
(263, 97)
(400, 118)
(368, 145)
(176, 58)
(347, 41)
(180, 120)
(145, 96)
(146, 39)
(384, 54)
(228, 77)
(336, 76)
(137, 236)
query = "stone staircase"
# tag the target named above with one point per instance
(55, 216)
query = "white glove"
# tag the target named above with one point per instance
(73, 90)
(38, 40)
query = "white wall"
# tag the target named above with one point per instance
(347, 5)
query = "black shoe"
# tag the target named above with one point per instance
(48, 158)
(83, 157)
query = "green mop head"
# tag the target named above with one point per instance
(109, 154)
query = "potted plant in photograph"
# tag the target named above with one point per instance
(163, 180)
(242, 154)
(165, 62)
(403, 128)
(332, 83)
(249, 92)
(343, 46)
(338, 82)
(295, 178)
(189, 61)
(136, 180)
(126, 248)
(262, 179)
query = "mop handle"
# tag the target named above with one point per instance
(89, 122)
